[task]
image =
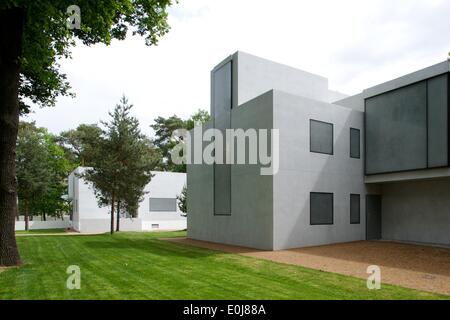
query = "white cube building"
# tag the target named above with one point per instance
(158, 210)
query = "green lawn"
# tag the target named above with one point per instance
(41, 231)
(139, 266)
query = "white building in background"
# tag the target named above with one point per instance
(158, 210)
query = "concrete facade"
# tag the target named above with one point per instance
(272, 212)
(88, 217)
(302, 172)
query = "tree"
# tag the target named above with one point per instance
(200, 117)
(33, 36)
(42, 170)
(164, 128)
(78, 143)
(122, 163)
(33, 173)
(182, 201)
(59, 166)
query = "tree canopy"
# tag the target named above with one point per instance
(47, 37)
(80, 143)
(34, 36)
(164, 129)
(42, 170)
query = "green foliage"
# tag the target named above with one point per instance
(80, 143)
(52, 202)
(33, 173)
(200, 117)
(182, 201)
(164, 129)
(42, 170)
(47, 38)
(122, 161)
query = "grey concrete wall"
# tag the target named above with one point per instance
(254, 76)
(417, 211)
(251, 222)
(302, 172)
(355, 102)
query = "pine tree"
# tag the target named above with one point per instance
(122, 163)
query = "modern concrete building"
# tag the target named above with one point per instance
(158, 210)
(371, 166)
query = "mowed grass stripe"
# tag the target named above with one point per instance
(139, 266)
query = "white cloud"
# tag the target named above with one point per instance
(354, 43)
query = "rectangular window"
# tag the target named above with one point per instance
(320, 137)
(321, 208)
(163, 204)
(355, 208)
(355, 143)
(222, 102)
(396, 130)
(437, 118)
(155, 226)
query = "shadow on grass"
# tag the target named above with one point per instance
(152, 246)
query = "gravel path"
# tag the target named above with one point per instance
(408, 265)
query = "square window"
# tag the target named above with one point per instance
(321, 208)
(355, 144)
(321, 137)
(355, 208)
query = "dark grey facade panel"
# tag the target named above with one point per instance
(437, 121)
(222, 100)
(355, 208)
(321, 137)
(163, 204)
(321, 208)
(355, 143)
(396, 130)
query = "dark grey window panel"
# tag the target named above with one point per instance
(321, 136)
(321, 208)
(355, 208)
(355, 143)
(437, 122)
(222, 99)
(222, 90)
(222, 189)
(396, 130)
(163, 204)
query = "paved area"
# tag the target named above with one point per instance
(408, 265)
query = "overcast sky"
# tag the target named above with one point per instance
(354, 43)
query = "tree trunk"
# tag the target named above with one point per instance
(118, 217)
(113, 200)
(26, 219)
(11, 31)
(44, 218)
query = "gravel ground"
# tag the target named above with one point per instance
(408, 265)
